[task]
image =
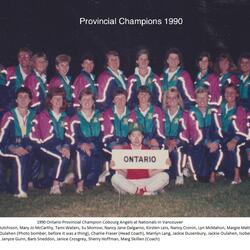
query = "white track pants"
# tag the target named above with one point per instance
(152, 184)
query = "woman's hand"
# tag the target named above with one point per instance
(20, 151)
(65, 152)
(86, 148)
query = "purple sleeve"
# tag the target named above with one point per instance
(194, 132)
(31, 83)
(107, 124)
(35, 134)
(214, 89)
(184, 134)
(187, 85)
(234, 79)
(241, 122)
(10, 74)
(103, 83)
(132, 117)
(5, 132)
(78, 85)
(54, 83)
(131, 81)
(157, 83)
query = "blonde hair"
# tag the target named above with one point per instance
(201, 90)
(165, 96)
(62, 58)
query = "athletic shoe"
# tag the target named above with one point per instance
(79, 190)
(236, 182)
(102, 177)
(186, 172)
(220, 174)
(69, 179)
(55, 190)
(162, 191)
(150, 193)
(21, 195)
(179, 181)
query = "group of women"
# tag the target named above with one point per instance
(50, 127)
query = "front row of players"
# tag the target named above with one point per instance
(39, 148)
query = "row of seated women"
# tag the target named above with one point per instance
(39, 147)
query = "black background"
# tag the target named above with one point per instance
(54, 27)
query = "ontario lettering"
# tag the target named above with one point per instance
(139, 159)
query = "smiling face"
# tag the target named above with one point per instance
(203, 63)
(120, 101)
(142, 61)
(24, 59)
(143, 97)
(173, 61)
(245, 65)
(88, 65)
(40, 64)
(87, 102)
(56, 102)
(224, 65)
(202, 100)
(231, 95)
(113, 62)
(172, 100)
(63, 68)
(23, 100)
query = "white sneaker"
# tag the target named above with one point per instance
(237, 182)
(55, 190)
(21, 195)
(79, 190)
(69, 179)
(179, 181)
(186, 172)
(220, 173)
(149, 193)
(102, 177)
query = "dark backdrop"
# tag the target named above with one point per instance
(53, 27)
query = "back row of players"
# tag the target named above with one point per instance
(87, 119)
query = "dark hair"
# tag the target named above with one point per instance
(223, 56)
(86, 92)
(111, 53)
(245, 55)
(231, 85)
(144, 89)
(57, 91)
(174, 51)
(201, 56)
(23, 90)
(142, 51)
(120, 91)
(87, 56)
(26, 50)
